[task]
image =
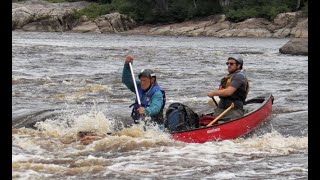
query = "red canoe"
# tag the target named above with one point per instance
(231, 129)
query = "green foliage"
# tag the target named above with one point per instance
(240, 10)
(93, 10)
(207, 7)
(131, 8)
(181, 10)
(170, 11)
(100, 1)
(72, 0)
(304, 8)
(144, 11)
(166, 11)
(55, 1)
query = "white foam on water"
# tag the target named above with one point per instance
(224, 175)
(145, 153)
(94, 121)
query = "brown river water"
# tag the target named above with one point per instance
(63, 83)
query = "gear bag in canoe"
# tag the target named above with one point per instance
(180, 117)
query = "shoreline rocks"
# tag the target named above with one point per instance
(296, 46)
(39, 15)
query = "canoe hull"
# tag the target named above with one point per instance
(229, 130)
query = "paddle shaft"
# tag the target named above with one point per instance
(222, 114)
(137, 93)
(134, 83)
(215, 102)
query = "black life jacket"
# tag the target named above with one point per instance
(239, 97)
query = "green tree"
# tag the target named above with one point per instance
(170, 11)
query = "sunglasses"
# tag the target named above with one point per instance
(231, 64)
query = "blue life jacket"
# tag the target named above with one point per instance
(145, 99)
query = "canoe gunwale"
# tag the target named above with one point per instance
(262, 112)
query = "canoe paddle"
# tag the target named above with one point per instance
(223, 113)
(215, 102)
(137, 93)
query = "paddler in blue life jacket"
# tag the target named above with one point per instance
(233, 89)
(152, 96)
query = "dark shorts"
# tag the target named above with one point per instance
(231, 114)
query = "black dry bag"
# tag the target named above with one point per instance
(180, 117)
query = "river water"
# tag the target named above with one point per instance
(63, 83)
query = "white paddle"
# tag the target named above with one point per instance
(137, 93)
(134, 83)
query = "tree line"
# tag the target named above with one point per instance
(172, 11)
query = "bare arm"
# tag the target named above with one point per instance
(236, 82)
(222, 92)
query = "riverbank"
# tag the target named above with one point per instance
(42, 16)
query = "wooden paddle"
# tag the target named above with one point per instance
(223, 113)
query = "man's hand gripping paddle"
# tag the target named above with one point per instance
(138, 98)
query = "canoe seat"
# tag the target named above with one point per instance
(204, 120)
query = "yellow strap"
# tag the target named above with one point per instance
(229, 82)
(229, 77)
(248, 87)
